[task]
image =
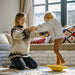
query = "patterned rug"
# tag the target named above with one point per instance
(42, 70)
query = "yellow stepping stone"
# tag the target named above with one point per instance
(57, 67)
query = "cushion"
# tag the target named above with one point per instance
(3, 39)
(9, 38)
(69, 34)
(5, 46)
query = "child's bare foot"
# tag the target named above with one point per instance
(57, 64)
(63, 63)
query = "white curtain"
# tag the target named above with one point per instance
(27, 8)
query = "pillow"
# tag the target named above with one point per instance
(3, 39)
(9, 38)
(69, 33)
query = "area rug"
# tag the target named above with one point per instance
(41, 70)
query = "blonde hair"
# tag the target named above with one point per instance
(49, 15)
(17, 17)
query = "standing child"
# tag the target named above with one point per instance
(19, 51)
(52, 25)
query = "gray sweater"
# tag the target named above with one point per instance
(21, 42)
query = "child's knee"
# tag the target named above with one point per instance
(56, 51)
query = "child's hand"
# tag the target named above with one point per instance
(33, 29)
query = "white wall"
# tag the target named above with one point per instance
(8, 10)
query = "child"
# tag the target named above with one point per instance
(19, 51)
(52, 25)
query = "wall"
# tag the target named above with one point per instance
(48, 57)
(45, 55)
(8, 10)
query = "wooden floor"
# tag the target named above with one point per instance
(42, 70)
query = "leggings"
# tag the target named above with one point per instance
(20, 63)
(57, 47)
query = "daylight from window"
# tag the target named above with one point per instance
(41, 6)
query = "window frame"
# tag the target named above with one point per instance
(63, 11)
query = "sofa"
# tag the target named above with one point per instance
(4, 53)
(4, 49)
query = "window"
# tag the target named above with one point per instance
(39, 10)
(41, 6)
(39, 2)
(63, 9)
(71, 12)
(70, 0)
(56, 9)
(52, 1)
(38, 15)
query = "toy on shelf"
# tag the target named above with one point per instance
(43, 39)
